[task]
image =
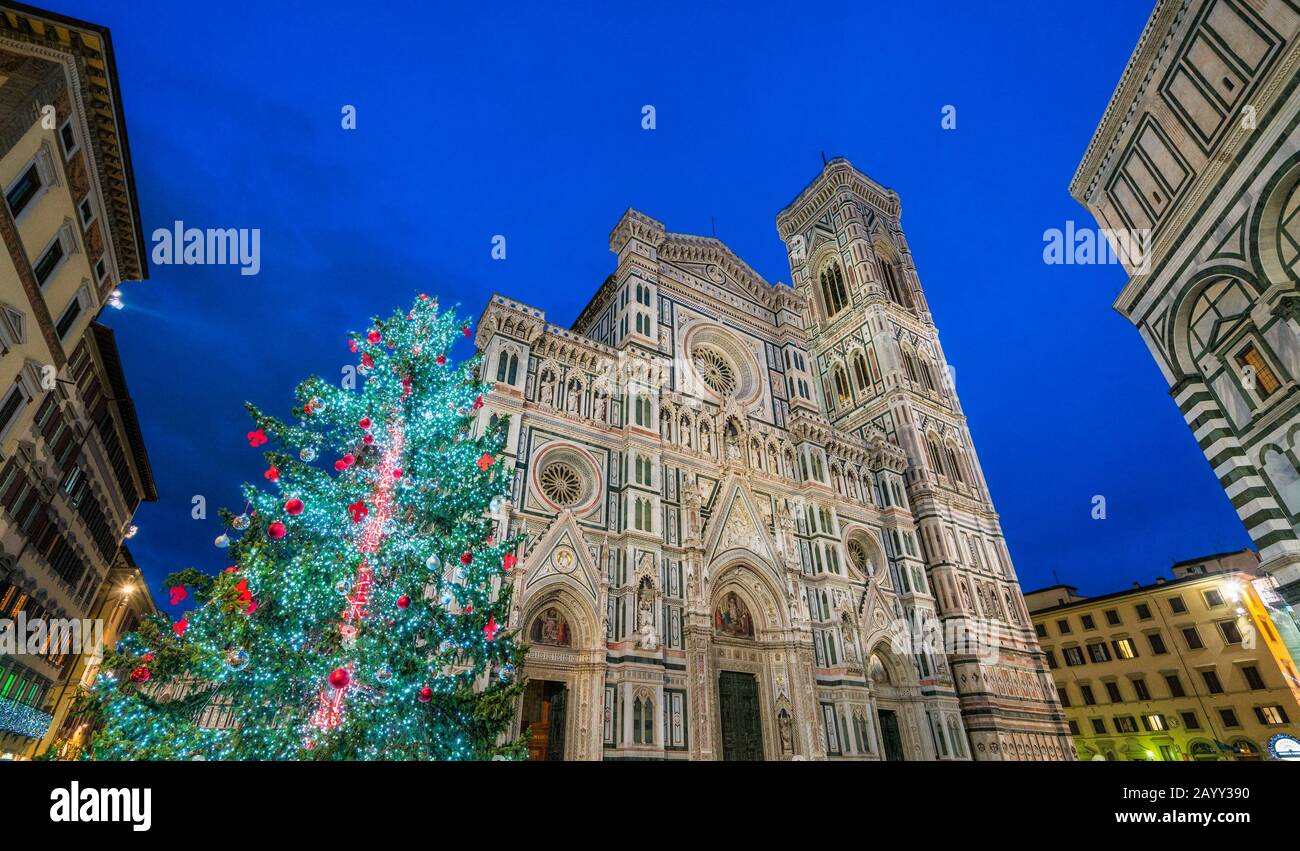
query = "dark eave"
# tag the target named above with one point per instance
(107, 345)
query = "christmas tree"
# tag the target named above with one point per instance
(360, 615)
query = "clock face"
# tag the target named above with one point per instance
(564, 559)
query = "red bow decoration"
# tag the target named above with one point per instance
(478, 403)
(272, 474)
(485, 462)
(367, 361)
(491, 629)
(180, 626)
(257, 438)
(508, 562)
(465, 331)
(178, 593)
(358, 510)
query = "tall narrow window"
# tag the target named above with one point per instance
(834, 294)
(896, 291)
(860, 371)
(24, 190)
(841, 385)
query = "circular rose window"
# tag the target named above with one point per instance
(715, 370)
(560, 483)
(722, 365)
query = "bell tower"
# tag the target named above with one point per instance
(878, 368)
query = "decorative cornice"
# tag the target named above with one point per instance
(837, 174)
(86, 52)
(1156, 38)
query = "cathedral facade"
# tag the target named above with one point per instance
(755, 526)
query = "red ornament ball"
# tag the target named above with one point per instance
(272, 474)
(373, 337)
(339, 466)
(466, 558)
(293, 507)
(426, 694)
(141, 674)
(339, 678)
(397, 474)
(442, 359)
(365, 422)
(368, 439)
(276, 530)
(403, 601)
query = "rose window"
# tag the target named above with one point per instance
(715, 370)
(561, 484)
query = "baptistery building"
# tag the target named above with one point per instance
(755, 526)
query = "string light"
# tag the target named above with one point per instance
(377, 495)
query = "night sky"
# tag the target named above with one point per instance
(481, 119)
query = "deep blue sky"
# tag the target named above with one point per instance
(483, 119)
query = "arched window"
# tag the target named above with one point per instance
(841, 384)
(896, 291)
(507, 367)
(834, 294)
(860, 373)
(954, 465)
(642, 406)
(909, 365)
(927, 377)
(936, 460)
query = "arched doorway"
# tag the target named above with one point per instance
(753, 662)
(560, 705)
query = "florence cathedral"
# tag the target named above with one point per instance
(755, 525)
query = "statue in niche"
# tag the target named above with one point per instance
(849, 635)
(691, 497)
(601, 413)
(787, 731)
(547, 394)
(574, 400)
(645, 617)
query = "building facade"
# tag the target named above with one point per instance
(72, 462)
(752, 512)
(1196, 668)
(1197, 163)
(124, 600)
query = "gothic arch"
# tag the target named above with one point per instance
(572, 602)
(1177, 342)
(751, 577)
(1279, 259)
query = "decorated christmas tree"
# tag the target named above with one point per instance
(361, 613)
